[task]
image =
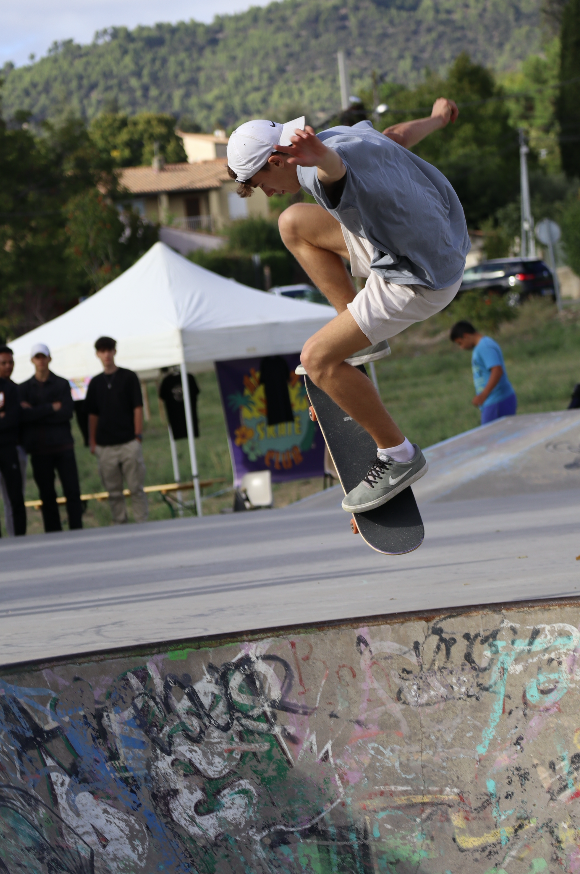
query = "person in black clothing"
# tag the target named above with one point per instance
(171, 393)
(6, 370)
(114, 404)
(10, 413)
(274, 376)
(47, 408)
(575, 399)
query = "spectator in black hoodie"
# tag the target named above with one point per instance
(10, 413)
(6, 369)
(47, 410)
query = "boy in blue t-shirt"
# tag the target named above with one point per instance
(495, 395)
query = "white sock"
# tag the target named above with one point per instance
(403, 452)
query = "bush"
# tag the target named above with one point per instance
(485, 311)
(571, 233)
(242, 268)
(497, 241)
(254, 235)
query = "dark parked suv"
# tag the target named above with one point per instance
(517, 278)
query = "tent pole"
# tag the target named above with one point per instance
(190, 434)
(176, 474)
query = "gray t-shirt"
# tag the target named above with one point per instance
(401, 204)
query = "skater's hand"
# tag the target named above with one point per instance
(445, 111)
(308, 151)
(56, 406)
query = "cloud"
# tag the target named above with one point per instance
(31, 26)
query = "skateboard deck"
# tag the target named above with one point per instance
(394, 528)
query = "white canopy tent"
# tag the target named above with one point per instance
(167, 311)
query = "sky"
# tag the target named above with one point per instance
(31, 26)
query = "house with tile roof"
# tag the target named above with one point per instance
(197, 195)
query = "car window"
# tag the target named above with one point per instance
(534, 267)
(316, 296)
(472, 273)
(493, 270)
(510, 268)
(310, 294)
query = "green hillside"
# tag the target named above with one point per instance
(274, 61)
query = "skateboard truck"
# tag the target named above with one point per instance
(312, 414)
(354, 526)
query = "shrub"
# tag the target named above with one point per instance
(242, 268)
(571, 233)
(254, 235)
(486, 311)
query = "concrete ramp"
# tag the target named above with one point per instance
(262, 693)
(440, 744)
(513, 456)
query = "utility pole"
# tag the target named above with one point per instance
(375, 80)
(344, 83)
(527, 238)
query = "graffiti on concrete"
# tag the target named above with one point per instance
(450, 746)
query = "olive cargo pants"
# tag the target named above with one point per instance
(124, 461)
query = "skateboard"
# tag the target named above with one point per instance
(394, 528)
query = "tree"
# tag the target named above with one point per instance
(255, 63)
(130, 141)
(479, 153)
(532, 104)
(571, 232)
(50, 179)
(569, 101)
(552, 11)
(104, 241)
(39, 174)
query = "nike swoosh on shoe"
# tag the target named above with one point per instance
(393, 482)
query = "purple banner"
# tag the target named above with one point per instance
(290, 450)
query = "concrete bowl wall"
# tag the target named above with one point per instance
(441, 744)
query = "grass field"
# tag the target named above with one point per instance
(426, 384)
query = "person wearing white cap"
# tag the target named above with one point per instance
(47, 410)
(398, 221)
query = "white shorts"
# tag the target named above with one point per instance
(383, 309)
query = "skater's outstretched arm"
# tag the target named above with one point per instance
(409, 133)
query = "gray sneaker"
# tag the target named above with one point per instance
(370, 353)
(384, 480)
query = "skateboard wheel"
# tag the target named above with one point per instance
(354, 526)
(312, 414)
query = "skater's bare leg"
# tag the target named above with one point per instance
(315, 239)
(323, 357)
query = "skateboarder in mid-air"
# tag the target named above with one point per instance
(399, 223)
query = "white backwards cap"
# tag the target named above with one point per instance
(252, 143)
